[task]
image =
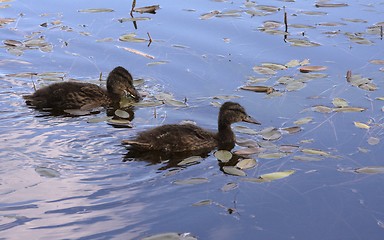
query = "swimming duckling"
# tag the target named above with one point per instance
(85, 96)
(178, 138)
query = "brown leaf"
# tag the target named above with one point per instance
(307, 69)
(149, 9)
(265, 89)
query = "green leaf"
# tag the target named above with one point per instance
(223, 155)
(233, 171)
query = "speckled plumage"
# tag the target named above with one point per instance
(174, 138)
(77, 95)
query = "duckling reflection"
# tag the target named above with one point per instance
(178, 141)
(58, 97)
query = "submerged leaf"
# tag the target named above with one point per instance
(47, 172)
(302, 121)
(373, 140)
(275, 155)
(200, 203)
(229, 186)
(191, 181)
(190, 160)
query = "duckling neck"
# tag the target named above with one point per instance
(225, 136)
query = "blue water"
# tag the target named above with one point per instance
(92, 194)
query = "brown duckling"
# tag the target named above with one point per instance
(178, 138)
(85, 96)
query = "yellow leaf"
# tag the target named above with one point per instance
(275, 175)
(361, 125)
(315, 152)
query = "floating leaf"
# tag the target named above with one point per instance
(148, 9)
(248, 151)
(209, 15)
(199, 203)
(170, 236)
(315, 152)
(291, 130)
(307, 69)
(306, 158)
(264, 89)
(370, 170)
(274, 66)
(157, 63)
(77, 112)
(377, 61)
(122, 114)
(97, 120)
(295, 86)
(119, 123)
(148, 103)
(349, 109)
(190, 160)
(270, 176)
(271, 134)
(373, 141)
(246, 163)
(47, 172)
(331, 5)
(131, 37)
(361, 125)
(322, 109)
(339, 102)
(288, 148)
(233, 171)
(191, 181)
(246, 130)
(229, 186)
(264, 70)
(275, 155)
(302, 121)
(302, 42)
(175, 103)
(223, 155)
(137, 52)
(293, 63)
(95, 10)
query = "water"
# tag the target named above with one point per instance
(89, 193)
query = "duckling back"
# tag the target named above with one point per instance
(174, 138)
(68, 95)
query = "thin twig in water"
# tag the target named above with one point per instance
(101, 76)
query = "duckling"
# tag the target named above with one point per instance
(85, 96)
(179, 138)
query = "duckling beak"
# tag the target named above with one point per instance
(134, 95)
(250, 119)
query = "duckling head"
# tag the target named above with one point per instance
(120, 84)
(231, 112)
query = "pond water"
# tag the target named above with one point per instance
(63, 177)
